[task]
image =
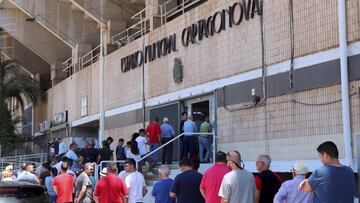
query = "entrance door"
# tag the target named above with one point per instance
(172, 112)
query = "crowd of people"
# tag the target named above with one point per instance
(69, 176)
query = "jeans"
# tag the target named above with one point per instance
(154, 156)
(204, 144)
(188, 146)
(167, 151)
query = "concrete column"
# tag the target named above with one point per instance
(114, 28)
(57, 73)
(153, 13)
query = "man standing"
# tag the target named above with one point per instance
(153, 131)
(267, 182)
(111, 188)
(238, 185)
(120, 150)
(105, 153)
(89, 153)
(204, 142)
(28, 175)
(333, 182)
(167, 133)
(211, 181)
(135, 182)
(83, 186)
(189, 137)
(63, 185)
(289, 192)
(186, 185)
(143, 140)
(162, 188)
(74, 157)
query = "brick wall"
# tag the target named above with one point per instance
(288, 130)
(230, 52)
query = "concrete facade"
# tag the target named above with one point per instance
(286, 127)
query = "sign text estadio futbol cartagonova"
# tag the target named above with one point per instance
(193, 33)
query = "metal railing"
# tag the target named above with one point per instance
(168, 9)
(140, 28)
(98, 167)
(69, 67)
(18, 159)
(90, 58)
(163, 145)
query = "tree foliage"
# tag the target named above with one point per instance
(15, 83)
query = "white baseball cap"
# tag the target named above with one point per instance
(300, 168)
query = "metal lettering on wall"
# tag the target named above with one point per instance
(204, 28)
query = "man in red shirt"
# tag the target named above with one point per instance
(111, 188)
(211, 181)
(154, 134)
(63, 185)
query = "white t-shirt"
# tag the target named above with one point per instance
(123, 174)
(131, 155)
(142, 144)
(136, 182)
(238, 186)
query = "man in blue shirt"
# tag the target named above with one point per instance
(189, 137)
(161, 190)
(333, 182)
(167, 133)
(186, 185)
(289, 192)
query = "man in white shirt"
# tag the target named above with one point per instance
(142, 141)
(135, 182)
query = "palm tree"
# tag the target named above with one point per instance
(14, 83)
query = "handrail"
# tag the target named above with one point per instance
(122, 37)
(162, 146)
(165, 13)
(84, 60)
(18, 159)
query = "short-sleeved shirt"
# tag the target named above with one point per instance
(64, 185)
(333, 184)
(120, 153)
(89, 154)
(136, 182)
(238, 186)
(167, 130)
(84, 179)
(205, 127)
(110, 189)
(161, 191)
(153, 130)
(49, 185)
(211, 182)
(186, 186)
(189, 128)
(29, 177)
(289, 192)
(105, 154)
(73, 156)
(141, 141)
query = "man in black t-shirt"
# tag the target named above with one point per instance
(105, 154)
(186, 185)
(89, 153)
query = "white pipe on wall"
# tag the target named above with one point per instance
(101, 61)
(344, 82)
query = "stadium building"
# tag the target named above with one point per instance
(275, 77)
